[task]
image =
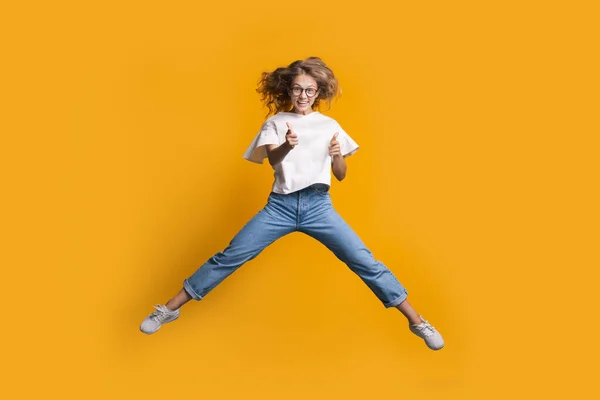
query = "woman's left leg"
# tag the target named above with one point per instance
(327, 226)
(323, 223)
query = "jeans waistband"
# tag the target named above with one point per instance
(314, 188)
(317, 187)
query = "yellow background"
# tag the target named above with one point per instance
(123, 128)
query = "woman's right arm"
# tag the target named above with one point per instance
(277, 153)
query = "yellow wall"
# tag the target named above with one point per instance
(123, 129)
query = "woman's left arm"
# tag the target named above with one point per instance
(339, 164)
(339, 167)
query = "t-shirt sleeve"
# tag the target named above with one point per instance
(257, 151)
(347, 145)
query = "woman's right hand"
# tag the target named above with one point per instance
(291, 137)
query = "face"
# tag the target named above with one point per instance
(301, 101)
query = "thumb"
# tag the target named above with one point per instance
(290, 127)
(335, 136)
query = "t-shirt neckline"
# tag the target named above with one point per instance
(300, 115)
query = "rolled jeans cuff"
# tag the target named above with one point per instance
(191, 292)
(397, 300)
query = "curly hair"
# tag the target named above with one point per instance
(274, 86)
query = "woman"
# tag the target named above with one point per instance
(304, 147)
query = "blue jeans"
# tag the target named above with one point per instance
(309, 211)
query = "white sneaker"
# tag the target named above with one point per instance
(162, 315)
(432, 338)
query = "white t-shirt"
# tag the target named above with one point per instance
(308, 162)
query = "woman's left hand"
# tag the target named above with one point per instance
(334, 147)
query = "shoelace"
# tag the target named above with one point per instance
(160, 314)
(426, 329)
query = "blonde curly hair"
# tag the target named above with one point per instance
(274, 86)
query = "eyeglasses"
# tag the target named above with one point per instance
(310, 92)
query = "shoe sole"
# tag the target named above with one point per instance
(430, 348)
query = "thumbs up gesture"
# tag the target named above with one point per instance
(334, 147)
(291, 137)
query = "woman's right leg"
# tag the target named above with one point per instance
(180, 299)
(262, 230)
(274, 221)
